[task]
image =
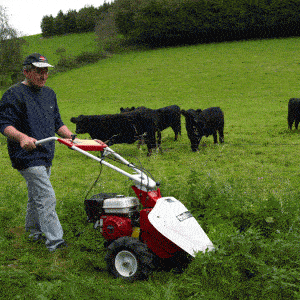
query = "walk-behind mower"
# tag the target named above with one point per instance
(138, 240)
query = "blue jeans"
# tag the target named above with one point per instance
(41, 217)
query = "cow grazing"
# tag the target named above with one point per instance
(169, 116)
(120, 128)
(294, 112)
(204, 123)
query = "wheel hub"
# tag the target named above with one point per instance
(126, 263)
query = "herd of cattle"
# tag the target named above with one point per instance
(145, 125)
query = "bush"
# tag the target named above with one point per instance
(47, 26)
(68, 63)
(106, 30)
(86, 19)
(59, 26)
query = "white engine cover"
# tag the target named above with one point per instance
(172, 219)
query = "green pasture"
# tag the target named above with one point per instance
(253, 176)
(73, 44)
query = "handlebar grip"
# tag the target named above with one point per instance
(54, 138)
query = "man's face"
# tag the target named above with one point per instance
(37, 76)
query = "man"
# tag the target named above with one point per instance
(29, 112)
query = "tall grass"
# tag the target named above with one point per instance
(244, 193)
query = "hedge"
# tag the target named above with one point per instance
(172, 22)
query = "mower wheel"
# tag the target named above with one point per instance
(129, 258)
(178, 263)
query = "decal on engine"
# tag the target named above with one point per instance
(184, 216)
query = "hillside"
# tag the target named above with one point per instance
(73, 44)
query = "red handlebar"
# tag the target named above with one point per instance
(86, 145)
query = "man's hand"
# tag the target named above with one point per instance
(64, 132)
(28, 143)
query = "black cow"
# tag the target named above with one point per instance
(168, 116)
(294, 112)
(120, 128)
(128, 109)
(204, 123)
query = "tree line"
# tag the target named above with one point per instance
(72, 22)
(174, 22)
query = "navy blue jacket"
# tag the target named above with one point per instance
(34, 113)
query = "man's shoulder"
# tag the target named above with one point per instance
(45, 87)
(48, 90)
(16, 87)
(12, 91)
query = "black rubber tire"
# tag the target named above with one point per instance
(178, 263)
(130, 259)
(181, 261)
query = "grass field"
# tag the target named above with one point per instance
(247, 188)
(73, 44)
